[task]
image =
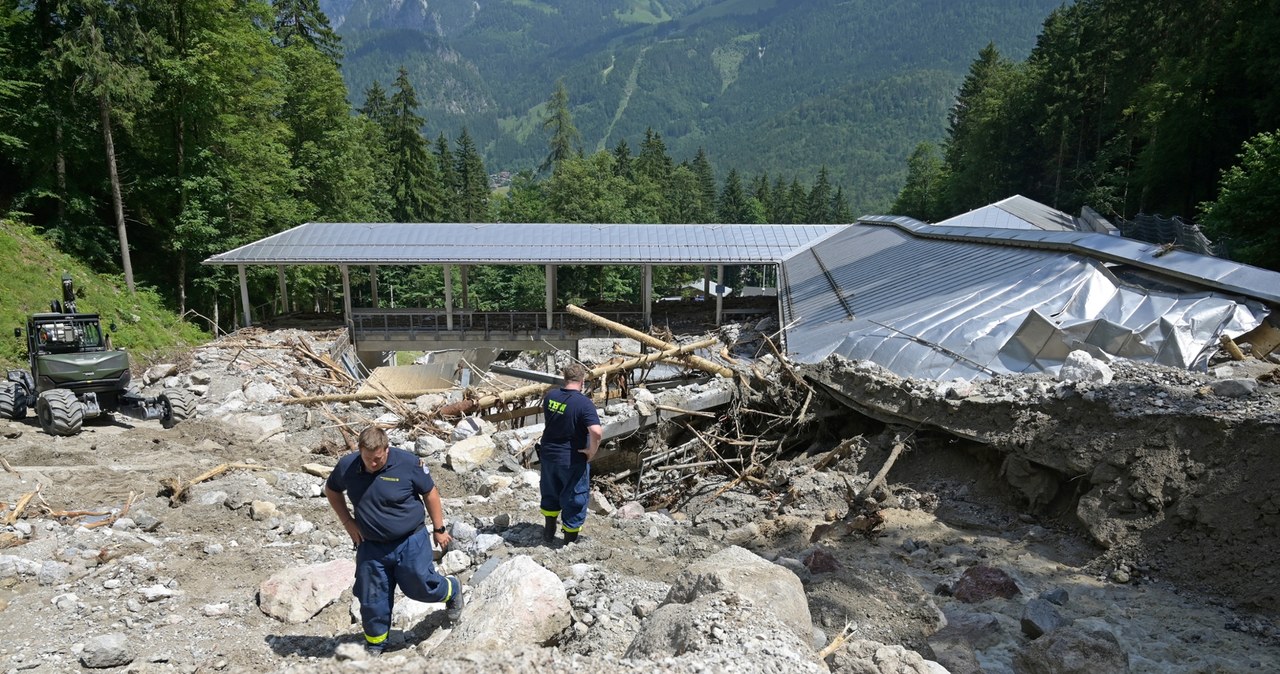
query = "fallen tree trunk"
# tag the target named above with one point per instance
(469, 406)
(648, 340)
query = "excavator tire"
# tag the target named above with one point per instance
(13, 404)
(59, 411)
(179, 405)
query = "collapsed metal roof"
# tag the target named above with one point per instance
(959, 301)
(525, 243)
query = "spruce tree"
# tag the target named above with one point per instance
(303, 20)
(566, 141)
(734, 206)
(448, 180)
(706, 178)
(472, 181)
(622, 159)
(818, 202)
(376, 106)
(416, 191)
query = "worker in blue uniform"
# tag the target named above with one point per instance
(570, 440)
(388, 488)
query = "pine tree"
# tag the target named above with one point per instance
(706, 177)
(416, 192)
(622, 159)
(376, 106)
(302, 20)
(450, 211)
(734, 206)
(818, 201)
(472, 181)
(566, 141)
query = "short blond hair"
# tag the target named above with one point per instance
(373, 438)
(574, 372)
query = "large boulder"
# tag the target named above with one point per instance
(727, 631)
(1072, 650)
(471, 453)
(738, 570)
(519, 603)
(860, 656)
(296, 594)
(105, 651)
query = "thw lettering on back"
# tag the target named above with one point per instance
(556, 406)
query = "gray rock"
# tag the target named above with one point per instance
(107, 650)
(520, 603)
(471, 453)
(745, 573)
(1057, 596)
(53, 572)
(200, 377)
(1071, 650)
(1079, 366)
(1234, 388)
(297, 593)
(1039, 617)
(261, 511)
(484, 570)
(861, 655)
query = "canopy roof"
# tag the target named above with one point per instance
(526, 243)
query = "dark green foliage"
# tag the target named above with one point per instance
(417, 194)
(1127, 106)
(472, 183)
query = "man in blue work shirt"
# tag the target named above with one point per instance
(570, 440)
(388, 529)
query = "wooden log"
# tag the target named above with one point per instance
(648, 340)
(22, 505)
(1230, 347)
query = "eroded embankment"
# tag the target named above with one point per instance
(1154, 463)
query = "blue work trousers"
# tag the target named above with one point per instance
(381, 566)
(565, 493)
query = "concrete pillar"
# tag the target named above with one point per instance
(706, 282)
(373, 285)
(646, 294)
(719, 296)
(466, 300)
(448, 297)
(346, 295)
(244, 296)
(284, 290)
(550, 285)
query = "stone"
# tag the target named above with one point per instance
(200, 377)
(519, 603)
(296, 594)
(156, 373)
(260, 392)
(599, 504)
(153, 593)
(629, 511)
(862, 655)
(1234, 388)
(107, 650)
(261, 511)
(198, 390)
(454, 562)
(1072, 650)
(1039, 617)
(468, 454)
(980, 583)
(1057, 596)
(257, 425)
(1079, 366)
(745, 573)
(428, 403)
(429, 445)
(53, 572)
(406, 613)
(820, 561)
(215, 610)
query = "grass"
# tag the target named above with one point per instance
(32, 275)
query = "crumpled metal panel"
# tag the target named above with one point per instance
(944, 309)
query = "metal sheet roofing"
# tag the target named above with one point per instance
(946, 302)
(479, 243)
(1016, 212)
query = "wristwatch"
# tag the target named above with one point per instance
(438, 530)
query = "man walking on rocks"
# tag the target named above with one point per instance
(569, 442)
(388, 529)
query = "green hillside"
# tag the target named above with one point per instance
(33, 269)
(764, 86)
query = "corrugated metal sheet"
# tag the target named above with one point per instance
(438, 243)
(964, 307)
(1016, 212)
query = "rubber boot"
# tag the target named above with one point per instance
(549, 531)
(570, 536)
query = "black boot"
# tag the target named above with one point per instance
(549, 531)
(570, 536)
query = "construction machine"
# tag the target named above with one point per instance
(74, 374)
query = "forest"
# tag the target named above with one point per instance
(1129, 107)
(143, 137)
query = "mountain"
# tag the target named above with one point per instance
(775, 86)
